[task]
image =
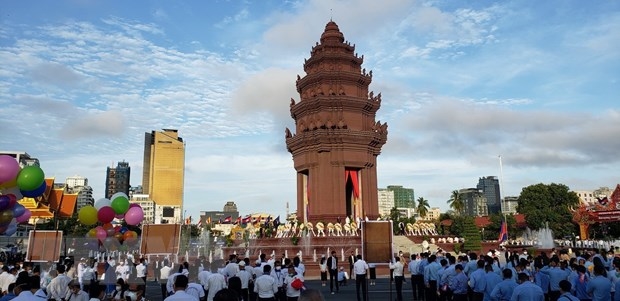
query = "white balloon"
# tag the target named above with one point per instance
(102, 203)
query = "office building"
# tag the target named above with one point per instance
(386, 201)
(475, 202)
(490, 188)
(117, 179)
(510, 205)
(164, 171)
(23, 158)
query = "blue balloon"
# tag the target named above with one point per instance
(35, 193)
(18, 210)
(4, 202)
(11, 229)
(123, 230)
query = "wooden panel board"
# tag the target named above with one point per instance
(161, 239)
(377, 241)
(44, 246)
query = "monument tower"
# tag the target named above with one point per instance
(336, 140)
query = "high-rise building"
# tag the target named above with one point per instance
(403, 197)
(117, 179)
(79, 185)
(23, 158)
(490, 187)
(386, 201)
(475, 202)
(510, 205)
(164, 171)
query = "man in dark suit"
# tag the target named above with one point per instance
(351, 262)
(332, 267)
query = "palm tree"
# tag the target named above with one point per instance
(456, 202)
(422, 208)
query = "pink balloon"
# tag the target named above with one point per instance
(120, 216)
(101, 233)
(134, 216)
(9, 168)
(24, 217)
(105, 214)
(134, 205)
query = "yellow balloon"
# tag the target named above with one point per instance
(88, 215)
(8, 184)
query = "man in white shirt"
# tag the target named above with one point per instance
(398, 268)
(265, 286)
(215, 283)
(231, 268)
(4, 281)
(203, 277)
(80, 271)
(195, 289)
(164, 273)
(122, 271)
(59, 286)
(291, 291)
(245, 277)
(360, 268)
(180, 284)
(141, 270)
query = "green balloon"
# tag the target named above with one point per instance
(30, 178)
(120, 204)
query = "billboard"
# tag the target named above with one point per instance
(161, 239)
(377, 241)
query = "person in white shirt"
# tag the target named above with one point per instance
(75, 293)
(141, 270)
(360, 268)
(195, 289)
(59, 286)
(4, 281)
(292, 293)
(398, 268)
(122, 271)
(215, 283)
(164, 274)
(180, 284)
(245, 277)
(170, 283)
(203, 277)
(88, 277)
(265, 286)
(80, 272)
(231, 268)
(10, 277)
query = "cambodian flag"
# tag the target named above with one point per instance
(503, 232)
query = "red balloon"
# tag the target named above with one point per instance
(105, 214)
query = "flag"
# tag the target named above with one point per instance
(238, 221)
(199, 224)
(602, 201)
(267, 220)
(209, 220)
(276, 221)
(227, 220)
(503, 232)
(246, 219)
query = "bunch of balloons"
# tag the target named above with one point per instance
(16, 183)
(104, 212)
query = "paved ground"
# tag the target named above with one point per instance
(378, 292)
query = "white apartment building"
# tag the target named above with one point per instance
(148, 206)
(386, 201)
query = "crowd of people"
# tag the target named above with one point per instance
(590, 275)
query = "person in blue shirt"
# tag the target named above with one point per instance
(556, 274)
(503, 290)
(526, 290)
(491, 279)
(540, 279)
(471, 265)
(431, 275)
(565, 289)
(476, 281)
(10, 293)
(458, 284)
(599, 287)
(579, 284)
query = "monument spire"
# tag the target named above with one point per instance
(336, 140)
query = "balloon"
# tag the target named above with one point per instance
(134, 216)
(105, 214)
(120, 216)
(9, 168)
(9, 184)
(30, 178)
(120, 204)
(4, 201)
(18, 210)
(6, 216)
(87, 215)
(118, 237)
(134, 205)
(3, 229)
(11, 230)
(101, 234)
(35, 193)
(123, 230)
(102, 203)
(111, 243)
(14, 191)
(24, 217)
(92, 233)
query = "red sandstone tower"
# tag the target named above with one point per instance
(337, 139)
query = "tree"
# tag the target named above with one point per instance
(456, 202)
(551, 204)
(422, 208)
(395, 218)
(471, 235)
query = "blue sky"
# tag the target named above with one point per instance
(462, 82)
